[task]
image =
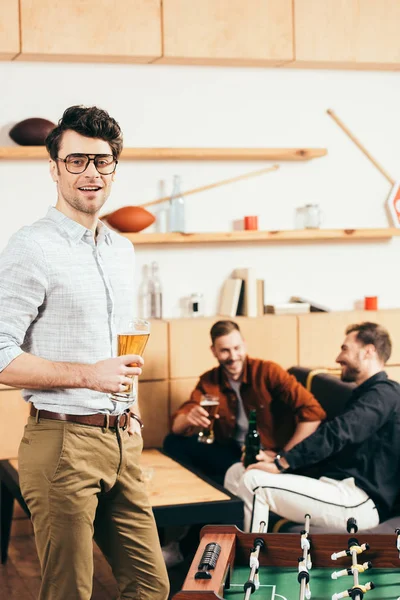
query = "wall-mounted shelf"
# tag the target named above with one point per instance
(297, 154)
(295, 235)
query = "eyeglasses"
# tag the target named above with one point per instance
(78, 163)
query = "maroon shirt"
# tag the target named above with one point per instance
(280, 401)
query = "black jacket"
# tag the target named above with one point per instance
(363, 442)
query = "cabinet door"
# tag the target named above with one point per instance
(238, 32)
(13, 417)
(83, 30)
(9, 29)
(347, 33)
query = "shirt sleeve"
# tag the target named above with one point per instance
(187, 406)
(366, 416)
(23, 284)
(305, 407)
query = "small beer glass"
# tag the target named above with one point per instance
(211, 404)
(133, 336)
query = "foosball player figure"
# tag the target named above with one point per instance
(354, 549)
(305, 561)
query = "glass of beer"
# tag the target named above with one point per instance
(133, 335)
(211, 404)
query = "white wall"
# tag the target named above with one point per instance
(230, 107)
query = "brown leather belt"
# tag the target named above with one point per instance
(97, 420)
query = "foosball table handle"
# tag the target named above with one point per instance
(208, 561)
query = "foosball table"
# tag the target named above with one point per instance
(234, 565)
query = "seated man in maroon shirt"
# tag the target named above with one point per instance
(286, 412)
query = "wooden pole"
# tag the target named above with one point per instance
(214, 185)
(360, 145)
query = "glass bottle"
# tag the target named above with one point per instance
(252, 441)
(312, 216)
(145, 294)
(177, 207)
(155, 292)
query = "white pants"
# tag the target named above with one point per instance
(329, 502)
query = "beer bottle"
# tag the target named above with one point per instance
(252, 441)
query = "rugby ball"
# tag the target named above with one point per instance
(31, 132)
(130, 219)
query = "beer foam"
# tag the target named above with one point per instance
(209, 402)
(134, 333)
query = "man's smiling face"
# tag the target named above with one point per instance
(88, 191)
(230, 351)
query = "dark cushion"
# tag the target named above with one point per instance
(330, 391)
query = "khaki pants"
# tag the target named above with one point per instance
(81, 482)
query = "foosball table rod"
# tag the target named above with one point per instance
(253, 582)
(305, 561)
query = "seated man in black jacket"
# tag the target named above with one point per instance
(362, 477)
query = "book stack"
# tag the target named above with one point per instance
(242, 295)
(287, 308)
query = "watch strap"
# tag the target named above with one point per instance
(278, 463)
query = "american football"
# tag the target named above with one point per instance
(130, 219)
(31, 132)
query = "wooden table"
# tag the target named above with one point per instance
(178, 496)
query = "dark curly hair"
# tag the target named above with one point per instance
(89, 121)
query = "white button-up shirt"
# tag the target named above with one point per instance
(61, 293)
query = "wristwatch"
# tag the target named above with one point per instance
(138, 419)
(278, 463)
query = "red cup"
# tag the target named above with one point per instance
(251, 223)
(371, 303)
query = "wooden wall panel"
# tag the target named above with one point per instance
(254, 32)
(179, 392)
(321, 335)
(13, 417)
(269, 337)
(391, 320)
(156, 352)
(347, 33)
(393, 372)
(9, 29)
(189, 347)
(153, 404)
(82, 30)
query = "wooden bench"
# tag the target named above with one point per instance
(179, 496)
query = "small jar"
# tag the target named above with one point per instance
(312, 216)
(196, 305)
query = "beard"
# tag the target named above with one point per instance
(350, 373)
(228, 364)
(81, 206)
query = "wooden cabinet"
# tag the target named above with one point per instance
(347, 33)
(238, 32)
(13, 417)
(9, 29)
(83, 30)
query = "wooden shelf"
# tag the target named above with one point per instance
(297, 154)
(295, 235)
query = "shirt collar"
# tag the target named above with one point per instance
(366, 385)
(75, 231)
